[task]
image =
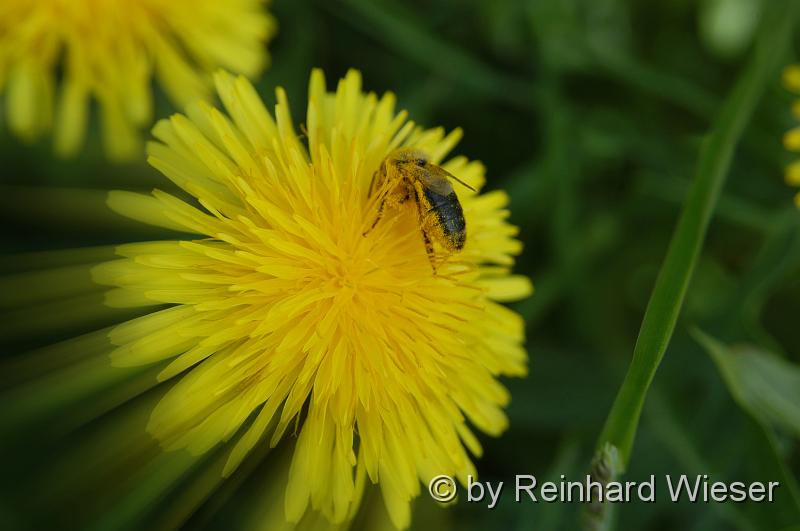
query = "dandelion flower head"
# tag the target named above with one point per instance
(57, 56)
(284, 314)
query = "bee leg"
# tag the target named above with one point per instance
(394, 202)
(372, 183)
(423, 219)
(381, 207)
(429, 249)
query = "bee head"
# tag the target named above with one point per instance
(411, 156)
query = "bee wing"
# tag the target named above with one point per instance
(441, 172)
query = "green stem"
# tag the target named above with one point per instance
(676, 271)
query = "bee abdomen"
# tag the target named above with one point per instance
(450, 217)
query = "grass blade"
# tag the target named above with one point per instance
(687, 240)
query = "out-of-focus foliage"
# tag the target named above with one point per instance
(590, 113)
(762, 383)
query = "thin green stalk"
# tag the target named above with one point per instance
(687, 241)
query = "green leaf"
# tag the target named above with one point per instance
(673, 280)
(767, 387)
(763, 384)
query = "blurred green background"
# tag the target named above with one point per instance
(590, 113)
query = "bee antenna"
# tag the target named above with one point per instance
(459, 181)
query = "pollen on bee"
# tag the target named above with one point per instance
(407, 173)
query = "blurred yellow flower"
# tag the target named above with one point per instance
(58, 55)
(283, 313)
(791, 140)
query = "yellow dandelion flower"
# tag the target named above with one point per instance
(791, 140)
(283, 313)
(58, 55)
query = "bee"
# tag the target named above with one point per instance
(408, 173)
